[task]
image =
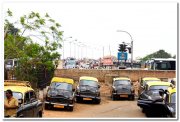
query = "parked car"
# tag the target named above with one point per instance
(60, 94)
(150, 99)
(122, 87)
(88, 89)
(146, 80)
(29, 105)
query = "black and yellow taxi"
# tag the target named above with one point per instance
(169, 102)
(60, 94)
(122, 87)
(88, 89)
(29, 105)
(145, 80)
(150, 100)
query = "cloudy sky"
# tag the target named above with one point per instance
(152, 25)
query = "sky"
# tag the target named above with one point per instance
(97, 28)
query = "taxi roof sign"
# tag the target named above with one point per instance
(59, 79)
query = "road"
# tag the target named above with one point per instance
(106, 109)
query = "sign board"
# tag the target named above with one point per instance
(122, 56)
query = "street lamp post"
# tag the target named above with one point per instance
(131, 45)
(75, 48)
(63, 44)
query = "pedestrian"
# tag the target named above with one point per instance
(136, 88)
(10, 105)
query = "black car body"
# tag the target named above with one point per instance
(29, 105)
(152, 102)
(60, 94)
(122, 88)
(88, 89)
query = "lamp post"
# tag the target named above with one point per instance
(63, 44)
(75, 48)
(131, 45)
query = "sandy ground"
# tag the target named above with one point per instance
(106, 109)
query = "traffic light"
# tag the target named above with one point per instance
(129, 48)
(124, 47)
(121, 48)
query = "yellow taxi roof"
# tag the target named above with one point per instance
(151, 78)
(88, 78)
(21, 89)
(17, 83)
(172, 90)
(121, 78)
(159, 83)
(59, 79)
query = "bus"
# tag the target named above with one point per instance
(161, 64)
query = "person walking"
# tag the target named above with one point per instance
(10, 105)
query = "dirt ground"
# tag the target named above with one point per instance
(106, 109)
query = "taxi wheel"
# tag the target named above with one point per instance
(143, 110)
(39, 114)
(149, 114)
(98, 101)
(131, 97)
(113, 97)
(47, 106)
(78, 100)
(70, 108)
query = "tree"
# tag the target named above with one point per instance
(158, 54)
(34, 41)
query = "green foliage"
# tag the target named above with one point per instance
(158, 54)
(36, 60)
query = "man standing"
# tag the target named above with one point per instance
(10, 105)
(136, 88)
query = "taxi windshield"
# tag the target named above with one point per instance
(88, 83)
(157, 87)
(61, 85)
(146, 81)
(121, 82)
(17, 95)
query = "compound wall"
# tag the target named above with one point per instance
(107, 75)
